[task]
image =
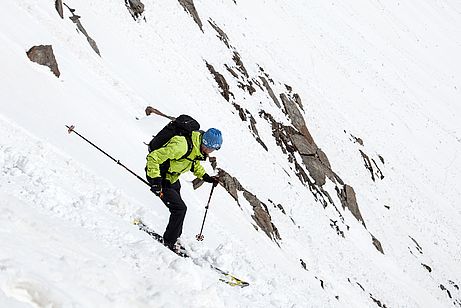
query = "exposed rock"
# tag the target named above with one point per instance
(255, 130)
(269, 90)
(427, 267)
(442, 287)
(231, 71)
(303, 264)
(261, 213)
(76, 20)
(454, 284)
(303, 146)
(221, 34)
(298, 101)
(377, 302)
(296, 117)
(189, 7)
(317, 170)
(135, 7)
(334, 226)
(262, 216)
(375, 172)
(231, 184)
(44, 55)
(245, 115)
(357, 140)
(348, 200)
(419, 248)
(58, 6)
(239, 63)
(247, 87)
(377, 244)
(221, 81)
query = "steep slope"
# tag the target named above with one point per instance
(340, 158)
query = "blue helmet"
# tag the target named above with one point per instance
(212, 139)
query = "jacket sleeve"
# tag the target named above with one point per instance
(174, 149)
(199, 171)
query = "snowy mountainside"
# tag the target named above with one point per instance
(340, 160)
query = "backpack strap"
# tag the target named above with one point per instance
(190, 145)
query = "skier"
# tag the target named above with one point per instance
(167, 163)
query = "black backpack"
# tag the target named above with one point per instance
(183, 125)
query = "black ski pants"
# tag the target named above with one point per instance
(172, 199)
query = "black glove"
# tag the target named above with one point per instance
(211, 179)
(156, 186)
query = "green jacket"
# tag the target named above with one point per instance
(174, 150)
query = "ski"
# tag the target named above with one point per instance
(226, 276)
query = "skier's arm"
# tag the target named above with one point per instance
(199, 171)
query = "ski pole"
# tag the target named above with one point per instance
(72, 130)
(199, 236)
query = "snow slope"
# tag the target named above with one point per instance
(389, 73)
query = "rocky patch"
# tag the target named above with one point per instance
(377, 244)
(452, 291)
(418, 248)
(261, 213)
(270, 92)
(58, 6)
(136, 9)
(427, 267)
(309, 162)
(44, 55)
(221, 81)
(378, 302)
(371, 166)
(245, 116)
(221, 34)
(370, 163)
(189, 7)
(348, 200)
(76, 20)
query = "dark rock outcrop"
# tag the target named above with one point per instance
(348, 200)
(377, 244)
(261, 213)
(245, 115)
(370, 165)
(58, 6)
(221, 34)
(238, 61)
(221, 81)
(270, 91)
(44, 55)
(189, 7)
(135, 7)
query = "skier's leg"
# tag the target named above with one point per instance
(177, 207)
